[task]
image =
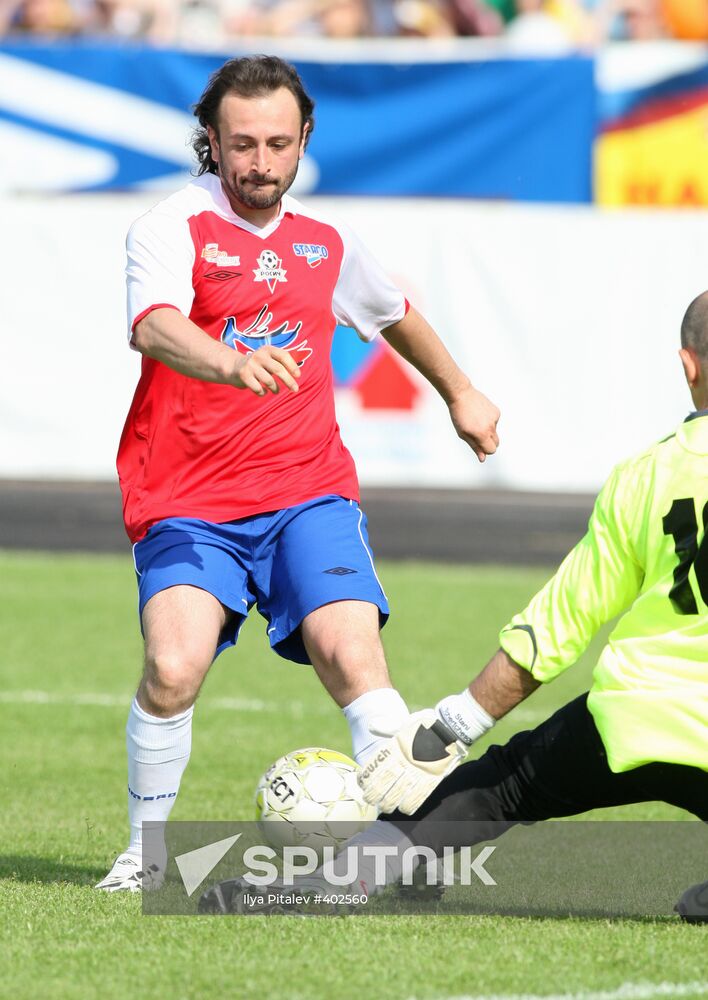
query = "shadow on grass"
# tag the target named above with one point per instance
(30, 868)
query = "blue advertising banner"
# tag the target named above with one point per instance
(90, 116)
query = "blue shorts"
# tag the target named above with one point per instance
(288, 562)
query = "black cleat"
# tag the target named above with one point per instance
(223, 898)
(693, 905)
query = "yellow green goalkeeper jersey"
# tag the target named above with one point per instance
(646, 550)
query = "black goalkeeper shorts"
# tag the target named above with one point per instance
(558, 769)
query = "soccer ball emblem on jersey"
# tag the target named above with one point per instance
(311, 798)
(269, 260)
(269, 269)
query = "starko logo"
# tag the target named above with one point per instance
(314, 252)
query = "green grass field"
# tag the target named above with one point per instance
(70, 662)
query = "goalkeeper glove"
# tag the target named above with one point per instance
(420, 753)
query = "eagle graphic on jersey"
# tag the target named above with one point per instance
(259, 334)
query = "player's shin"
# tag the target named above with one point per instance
(158, 752)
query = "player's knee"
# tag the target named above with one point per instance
(171, 681)
(356, 653)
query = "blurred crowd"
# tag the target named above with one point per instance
(528, 24)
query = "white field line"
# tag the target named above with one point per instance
(245, 705)
(95, 700)
(628, 991)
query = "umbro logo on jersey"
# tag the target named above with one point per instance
(213, 255)
(222, 275)
(270, 269)
(314, 252)
(340, 571)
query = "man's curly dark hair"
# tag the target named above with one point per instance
(251, 76)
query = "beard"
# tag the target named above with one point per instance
(255, 190)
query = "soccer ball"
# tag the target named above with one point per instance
(311, 798)
(269, 260)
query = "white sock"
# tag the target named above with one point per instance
(383, 703)
(158, 752)
(369, 871)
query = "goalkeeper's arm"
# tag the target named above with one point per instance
(595, 581)
(432, 743)
(497, 689)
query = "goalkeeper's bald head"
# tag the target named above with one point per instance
(694, 349)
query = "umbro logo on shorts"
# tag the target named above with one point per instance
(340, 571)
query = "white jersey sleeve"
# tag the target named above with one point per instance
(365, 298)
(160, 261)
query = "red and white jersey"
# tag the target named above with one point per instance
(196, 449)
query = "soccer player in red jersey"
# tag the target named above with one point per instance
(237, 488)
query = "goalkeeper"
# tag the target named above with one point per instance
(641, 733)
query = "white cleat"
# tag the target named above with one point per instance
(129, 875)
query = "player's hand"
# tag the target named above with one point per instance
(265, 370)
(475, 419)
(409, 765)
